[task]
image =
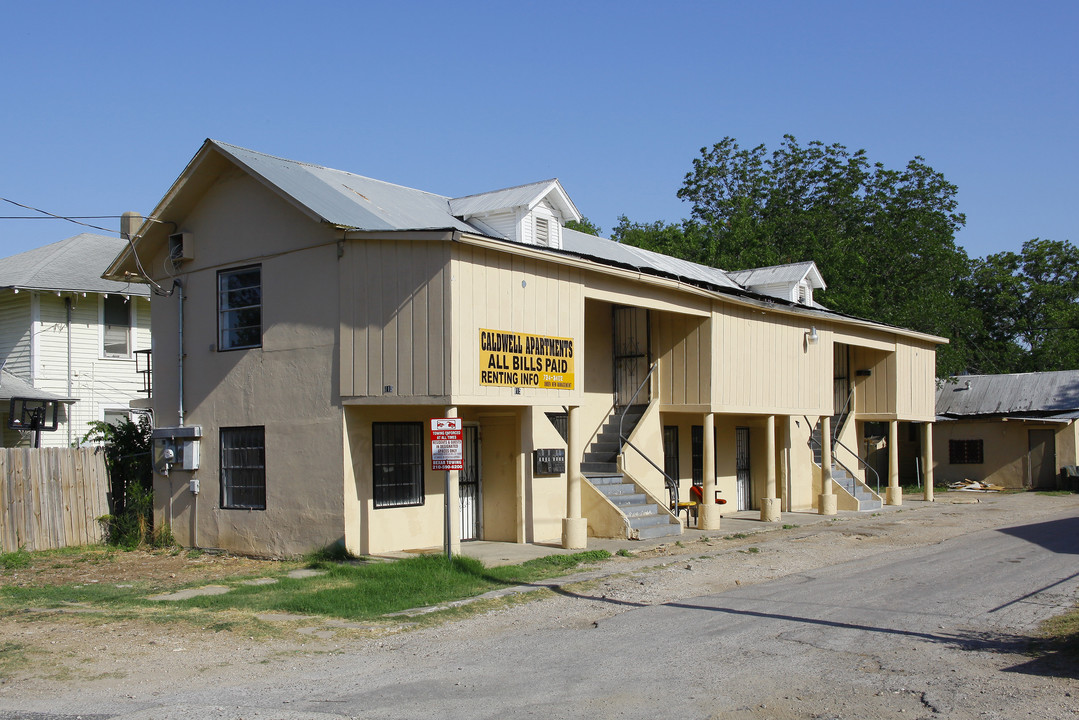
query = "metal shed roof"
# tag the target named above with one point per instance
(1048, 393)
(74, 264)
(776, 274)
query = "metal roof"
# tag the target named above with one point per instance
(596, 248)
(1047, 393)
(346, 200)
(74, 264)
(14, 386)
(778, 274)
(526, 196)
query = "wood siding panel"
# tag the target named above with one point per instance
(393, 318)
(15, 332)
(680, 348)
(500, 291)
(762, 363)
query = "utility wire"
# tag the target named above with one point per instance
(58, 217)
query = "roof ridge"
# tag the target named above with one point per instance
(511, 187)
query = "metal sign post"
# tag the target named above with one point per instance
(447, 453)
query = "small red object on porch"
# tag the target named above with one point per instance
(697, 494)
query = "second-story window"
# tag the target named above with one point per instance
(115, 326)
(239, 308)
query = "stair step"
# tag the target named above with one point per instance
(658, 531)
(613, 479)
(598, 468)
(639, 510)
(612, 489)
(628, 499)
(639, 522)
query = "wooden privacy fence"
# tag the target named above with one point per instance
(51, 497)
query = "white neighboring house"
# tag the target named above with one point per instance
(69, 334)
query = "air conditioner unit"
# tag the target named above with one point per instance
(181, 247)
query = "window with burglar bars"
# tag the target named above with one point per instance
(966, 452)
(243, 468)
(397, 463)
(696, 437)
(239, 308)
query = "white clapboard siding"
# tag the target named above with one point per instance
(15, 332)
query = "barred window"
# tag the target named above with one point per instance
(696, 438)
(243, 468)
(965, 452)
(397, 463)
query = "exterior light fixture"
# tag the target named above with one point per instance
(812, 336)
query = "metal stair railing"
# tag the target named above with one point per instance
(837, 461)
(670, 483)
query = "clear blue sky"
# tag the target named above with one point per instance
(102, 104)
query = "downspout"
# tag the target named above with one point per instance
(67, 309)
(180, 355)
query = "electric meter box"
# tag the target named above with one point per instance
(176, 448)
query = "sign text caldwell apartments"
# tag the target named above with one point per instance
(513, 359)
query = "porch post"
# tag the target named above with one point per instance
(927, 459)
(894, 495)
(708, 515)
(453, 502)
(827, 502)
(574, 527)
(770, 503)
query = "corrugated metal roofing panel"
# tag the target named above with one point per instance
(347, 200)
(790, 273)
(1047, 392)
(520, 196)
(74, 264)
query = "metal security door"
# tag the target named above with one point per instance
(1042, 458)
(741, 464)
(469, 485)
(631, 343)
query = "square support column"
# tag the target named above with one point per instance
(827, 502)
(574, 527)
(709, 513)
(927, 459)
(894, 495)
(770, 503)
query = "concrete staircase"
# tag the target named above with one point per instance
(644, 518)
(865, 498)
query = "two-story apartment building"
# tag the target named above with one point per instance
(68, 334)
(318, 320)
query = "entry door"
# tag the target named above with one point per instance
(670, 452)
(469, 486)
(631, 353)
(840, 378)
(741, 464)
(1042, 458)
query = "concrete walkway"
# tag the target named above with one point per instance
(493, 554)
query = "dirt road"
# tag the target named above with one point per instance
(70, 663)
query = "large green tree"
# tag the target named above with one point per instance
(1029, 308)
(883, 238)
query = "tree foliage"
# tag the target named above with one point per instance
(884, 239)
(1028, 305)
(584, 225)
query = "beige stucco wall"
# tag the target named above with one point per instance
(288, 385)
(1005, 448)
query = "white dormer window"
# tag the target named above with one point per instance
(543, 232)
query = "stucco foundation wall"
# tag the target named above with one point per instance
(804, 473)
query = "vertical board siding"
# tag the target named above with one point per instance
(682, 349)
(500, 291)
(15, 332)
(52, 497)
(394, 306)
(763, 364)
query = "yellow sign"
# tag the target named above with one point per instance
(519, 360)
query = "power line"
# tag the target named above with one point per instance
(69, 217)
(59, 217)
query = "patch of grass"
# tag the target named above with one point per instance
(679, 543)
(789, 526)
(737, 536)
(1054, 493)
(1059, 636)
(194, 553)
(622, 552)
(753, 549)
(334, 552)
(14, 560)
